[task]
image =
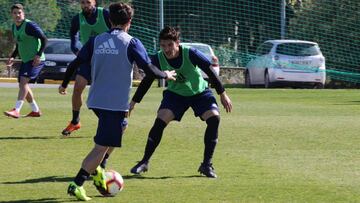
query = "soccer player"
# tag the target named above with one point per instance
(111, 55)
(90, 22)
(189, 90)
(30, 45)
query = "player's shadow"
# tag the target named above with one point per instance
(160, 178)
(42, 180)
(35, 138)
(43, 200)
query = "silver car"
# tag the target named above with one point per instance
(208, 52)
(286, 62)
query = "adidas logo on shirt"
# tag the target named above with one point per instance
(107, 47)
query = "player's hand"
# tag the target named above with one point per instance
(62, 90)
(36, 62)
(131, 107)
(226, 102)
(170, 75)
(10, 62)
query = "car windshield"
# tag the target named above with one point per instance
(298, 49)
(58, 47)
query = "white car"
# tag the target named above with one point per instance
(286, 62)
(208, 52)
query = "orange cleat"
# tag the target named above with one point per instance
(70, 128)
(34, 114)
(12, 113)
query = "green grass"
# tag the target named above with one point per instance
(276, 146)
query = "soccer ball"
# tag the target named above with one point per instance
(114, 183)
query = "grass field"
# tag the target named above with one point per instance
(280, 145)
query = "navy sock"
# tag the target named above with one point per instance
(75, 117)
(210, 138)
(81, 177)
(154, 138)
(104, 161)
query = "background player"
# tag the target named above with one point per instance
(30, 45)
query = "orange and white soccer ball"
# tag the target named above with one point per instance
(114, 182)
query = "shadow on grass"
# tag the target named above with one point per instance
(37, 138)
(43, 200)
(349, 103)
(42, 180)
(161, 177)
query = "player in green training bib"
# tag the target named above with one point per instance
(30, 45)
(188, 90)
(91, 21)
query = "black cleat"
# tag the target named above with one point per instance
(207, 170)
(140, 167)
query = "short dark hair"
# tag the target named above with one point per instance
(120, 13)
(17, 6)
(169, 33)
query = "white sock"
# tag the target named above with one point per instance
(34, 106)
(18, 105)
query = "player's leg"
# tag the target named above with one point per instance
(23, 90)
(172, 107)
(163, 118)
(79, 86)
(108, 136)
(24, 76)
(205, 106)
(33, 74)
(89, 165)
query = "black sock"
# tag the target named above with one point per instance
(75, 117)
(103, 163)
(154, 138)
(81, 177)
(210, 138)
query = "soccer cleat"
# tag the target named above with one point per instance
(207, 170)
(140, 167)
(99, 180)
(34, 114)
(71, 128)
(12, 113)
(78, 192)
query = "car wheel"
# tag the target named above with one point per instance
(247, 79)
(267, 82)
(319, 86)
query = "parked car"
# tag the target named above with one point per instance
(208, 52)
(286, 62)
(58, 55)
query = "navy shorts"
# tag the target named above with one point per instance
(109, 131)
(85, 71)
(178, 104)
(27, 70)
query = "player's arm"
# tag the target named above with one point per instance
(34, 30)
(137, 53)
(74, 37)
(84, 56)
(106, 15)
(10, 61)
(199, 59)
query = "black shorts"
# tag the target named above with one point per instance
(109, 131)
